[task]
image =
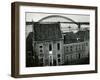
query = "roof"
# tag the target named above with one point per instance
(70, 37)
(47, 31)
(83, 34)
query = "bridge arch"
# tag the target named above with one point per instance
(57, 16)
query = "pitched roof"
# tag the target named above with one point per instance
(47, 31)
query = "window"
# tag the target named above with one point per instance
(29, 53)
(58, 55)
(79, 55)
(58, 46)
(76, 47)
(66, 48)
(50, 47)
(70, 48)
(71, 57)
(64, 38)
(41, 55)
(86, 44)
(58, 60)
(41, 51)
(41, 60)
(79, 47)
(83, 47)
(40, 46)
(67, 58)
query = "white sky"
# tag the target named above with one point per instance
(76, 17)
(37, 16)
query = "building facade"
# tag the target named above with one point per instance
(48, 44)
(75, 52)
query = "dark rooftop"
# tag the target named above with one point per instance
(70, 37)
(48, 31)
(83, 35)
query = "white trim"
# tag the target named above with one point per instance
(36, 70)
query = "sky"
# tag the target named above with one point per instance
(36, 16)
